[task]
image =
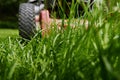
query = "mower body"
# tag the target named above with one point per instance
(36, 13)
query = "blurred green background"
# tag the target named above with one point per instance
(9, 13)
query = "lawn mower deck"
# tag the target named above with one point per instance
(46, 22)
(36, 14)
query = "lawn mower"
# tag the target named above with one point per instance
(36, 14)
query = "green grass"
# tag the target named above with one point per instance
(69, 54)
(4, 33)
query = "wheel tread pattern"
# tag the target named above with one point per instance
(27, 26)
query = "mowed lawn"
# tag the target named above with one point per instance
(5, 33)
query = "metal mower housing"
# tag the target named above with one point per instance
(30, 14)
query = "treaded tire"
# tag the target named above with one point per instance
(27, 25)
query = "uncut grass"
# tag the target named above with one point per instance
(68, 54)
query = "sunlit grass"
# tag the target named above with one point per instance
(4, 33)
(67, 54)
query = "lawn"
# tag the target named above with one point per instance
(5, 33)
(66, 54)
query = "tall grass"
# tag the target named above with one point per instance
(68, 54)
